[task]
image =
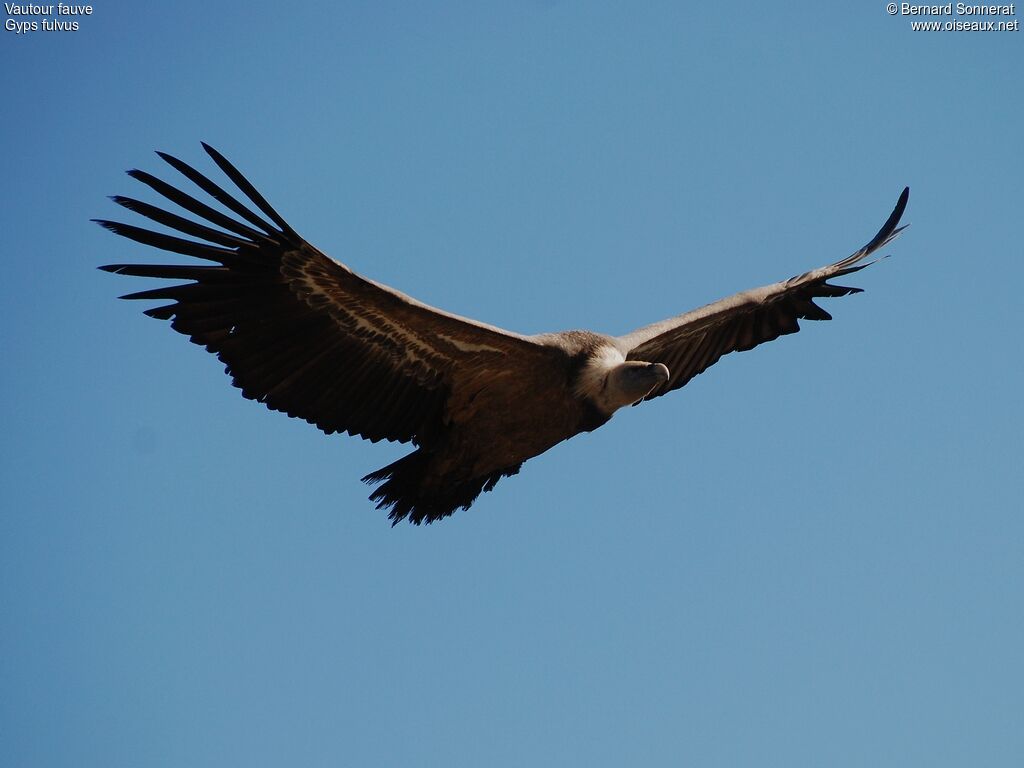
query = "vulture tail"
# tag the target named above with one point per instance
(402, 490)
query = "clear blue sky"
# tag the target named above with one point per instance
(812, 555)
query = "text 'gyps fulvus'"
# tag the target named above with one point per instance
(305, 335)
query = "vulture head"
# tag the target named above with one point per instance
(630, 382)
(622, 383)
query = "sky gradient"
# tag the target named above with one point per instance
(811, 555)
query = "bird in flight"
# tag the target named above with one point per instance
(307, 336)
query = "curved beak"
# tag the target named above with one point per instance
(660, 371)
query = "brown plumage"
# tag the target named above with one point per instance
(307, 336)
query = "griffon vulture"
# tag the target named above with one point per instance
(306, 335)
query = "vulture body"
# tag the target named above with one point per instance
(307, 336)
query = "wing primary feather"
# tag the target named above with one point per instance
(250, 191)
(170, 271)
(189, 203)
(813, 312)
(885, 235)
(200, 295)
(217, 193)
(160, 313)
(172, 244)
(186, 226)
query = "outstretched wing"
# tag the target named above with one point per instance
(692, 342)
(300, 332)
